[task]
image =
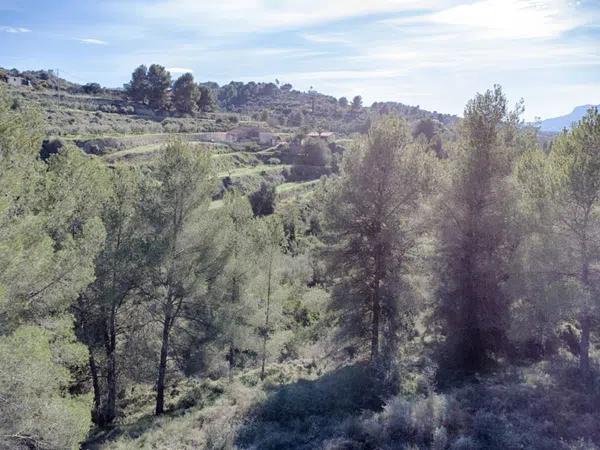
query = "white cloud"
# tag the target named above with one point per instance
(282, 52)
(179, 70)
(265, 15)
(333, 75)
(327, 38)
(93, 41)
(504, 19)
(15, 29)
(510, 18)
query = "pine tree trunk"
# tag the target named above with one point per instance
(231, 358)
(111, 375)
(584, 345)
(97, 413)
(375, 325)
(162, 367)
(266, 330)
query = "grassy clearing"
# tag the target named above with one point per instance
(146, 151)
(224, 162)
(203, 414)
(130, 153)
(246, 171)
(300, 407)
(216, 204)
(295, 186)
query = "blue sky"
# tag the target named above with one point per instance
(435, 54)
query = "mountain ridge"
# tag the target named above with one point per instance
(557, 124)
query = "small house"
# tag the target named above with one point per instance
(16, 81)
(327, 136)
(267, 138)
(241, 134)
(216, 136)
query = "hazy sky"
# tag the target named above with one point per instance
(435, 54)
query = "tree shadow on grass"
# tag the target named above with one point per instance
(303, 414)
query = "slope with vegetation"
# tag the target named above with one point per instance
(426, 285)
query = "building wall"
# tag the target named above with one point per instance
(14, 81)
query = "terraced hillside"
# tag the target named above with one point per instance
(124, 134)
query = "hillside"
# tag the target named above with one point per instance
(105, 123)
(248, 267)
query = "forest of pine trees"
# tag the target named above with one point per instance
(435, 300)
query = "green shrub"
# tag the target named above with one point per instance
(262, 201)
(37, 410)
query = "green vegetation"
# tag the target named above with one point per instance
(429, 284)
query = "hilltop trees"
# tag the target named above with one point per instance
(356, 103)
(185, 94)
(371, 213)
(92, 88)
(478, 235)
(206, 100)
(149, 86)
(137, 88)
(159, 80)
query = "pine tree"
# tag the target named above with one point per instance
(137, 88)
(185, 94)
(269, 240)
(50, 233)
(478, 235)
(118, 275)
(370, 218)
(159, 81)
(179, 240)
(230, 289)
(206, 99)
(565, 186)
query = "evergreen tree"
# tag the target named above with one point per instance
(159, 81)
(262, 201)
(478, 235)
(206, 100)
(317, 152)
(50, 233)
(371, 217)
(185, 94)
(118, 275)
(270, 240)
(180, 240)
(230, 289)
(356, 103)
(138, 88)
(565, 186)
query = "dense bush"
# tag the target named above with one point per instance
(37, 409)
(263, 200)
(305, 172)
(316, 152)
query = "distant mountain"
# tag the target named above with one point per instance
(556, 124)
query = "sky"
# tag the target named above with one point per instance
(435, 54)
